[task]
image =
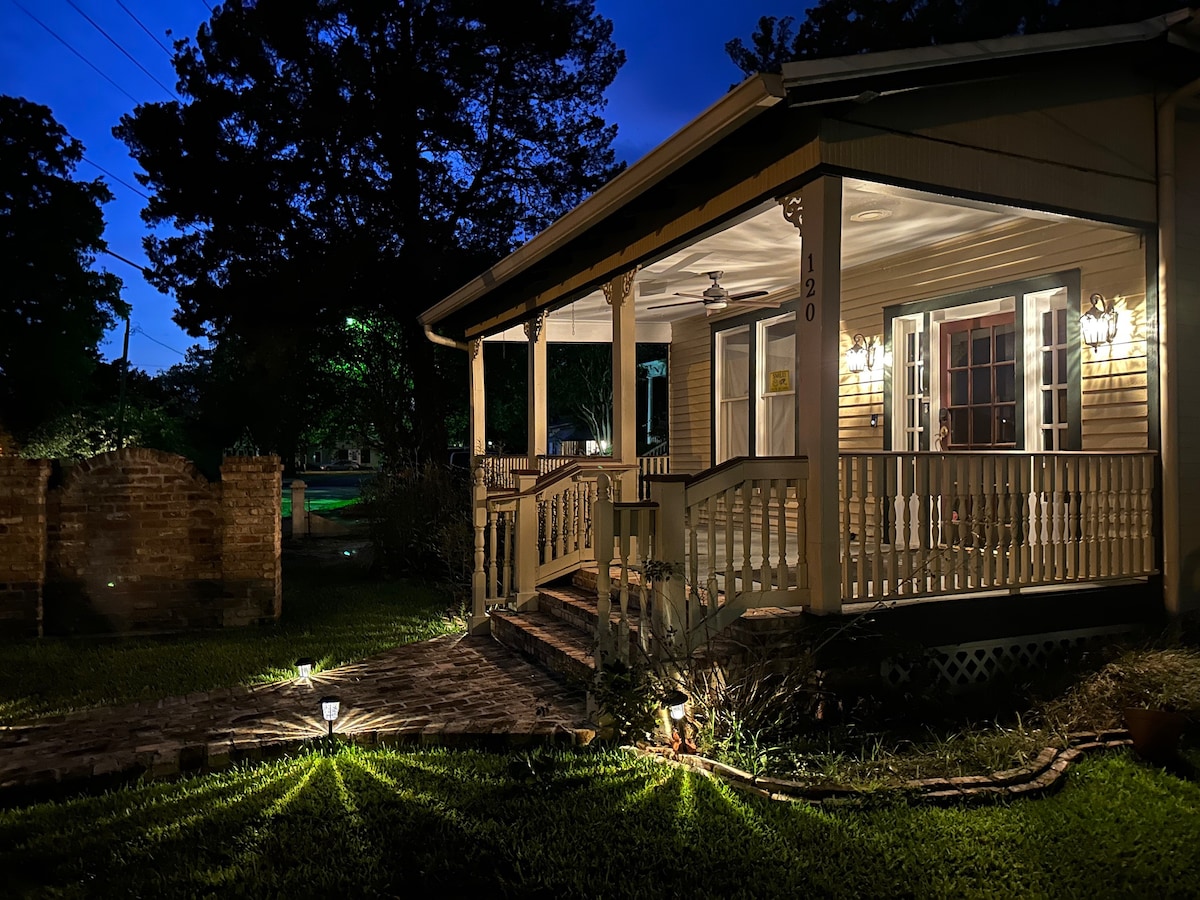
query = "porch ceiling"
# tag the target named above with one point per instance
(762, 252)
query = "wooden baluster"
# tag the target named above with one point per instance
(907, 487)
(623, 540)
(892, 510)
(710, 550)
(845, 479)
(987, 520)
(975, 520)
(933, 503)
(922, 580)
(863, 565)
(879, 489)
(493, 521)
(692, 526)
(766, 569)
(1125, 467)
(1016, 518)
(1023, 520)
(802, 532)
(781, 568)
(730, 583)
(1069, 530)
(1105, 517)
(1089, 566)
(1146, 484)
(747, 535)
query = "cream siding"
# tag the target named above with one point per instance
(1115, 386)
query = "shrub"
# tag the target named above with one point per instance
(420, 523)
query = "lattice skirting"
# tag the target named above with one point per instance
(962, 666)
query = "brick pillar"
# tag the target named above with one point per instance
(251, 493)
(22, 544)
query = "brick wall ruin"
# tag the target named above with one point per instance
(138, 540)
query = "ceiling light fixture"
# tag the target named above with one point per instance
(871, 215)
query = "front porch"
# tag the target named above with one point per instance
(913, 526)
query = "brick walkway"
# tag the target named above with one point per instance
(451, 690)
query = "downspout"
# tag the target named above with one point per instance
(1167, 339)
(445, 341)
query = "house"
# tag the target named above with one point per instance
(940, 309)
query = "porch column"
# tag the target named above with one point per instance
(816, 211)
(619, 294)
(476, 436)
(535, 331)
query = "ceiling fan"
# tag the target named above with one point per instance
(714, 297)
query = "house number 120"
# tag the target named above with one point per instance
(810, 290)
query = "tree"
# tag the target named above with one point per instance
(56, 306)
(361, 159)
(845, 27)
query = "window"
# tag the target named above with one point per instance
(776, 412)
(733, 393)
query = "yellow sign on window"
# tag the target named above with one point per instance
(780, 381)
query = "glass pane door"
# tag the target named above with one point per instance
(979, 365)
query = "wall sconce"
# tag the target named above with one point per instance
(861, 355)
(1099, 324)
(329, 711)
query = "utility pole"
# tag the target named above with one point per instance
(121, 395)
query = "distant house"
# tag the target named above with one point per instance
(942, 308)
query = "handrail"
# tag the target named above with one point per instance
(733, 472)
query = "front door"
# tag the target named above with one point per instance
(979, 383)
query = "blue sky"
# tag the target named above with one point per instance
(676, 66)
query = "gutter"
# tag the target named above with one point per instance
(1168, 346)
(752, 97)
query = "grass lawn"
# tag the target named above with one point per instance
(336, 616)
(600, 824)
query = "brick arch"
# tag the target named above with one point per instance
(135, 457)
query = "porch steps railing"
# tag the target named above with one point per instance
(734, 534)
(499, 471)
(540, 530)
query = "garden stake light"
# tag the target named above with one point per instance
(329, 711)
(304, 667)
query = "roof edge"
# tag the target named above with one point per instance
(746, 101)
(830, 70)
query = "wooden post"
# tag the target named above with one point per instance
(526, 540)
(670, 546)
(479, 623)
(477, 437)
(535, 331)
(603, 529)
(816, 211)
(619, 294)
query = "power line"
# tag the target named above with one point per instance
(116, 44)
(128, 262)
(152, 35)
(206, 6)
(137, 329)
(76, 52)
(116, 178)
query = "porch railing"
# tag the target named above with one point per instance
(734, 538)
(541, 529)
(925, 524)
(499, 470)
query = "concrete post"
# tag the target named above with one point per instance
(299, 511)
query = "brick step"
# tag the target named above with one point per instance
(554, 643)
(578, 607)
(585, 581)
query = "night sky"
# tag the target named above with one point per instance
(676, 67)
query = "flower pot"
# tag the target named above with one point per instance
(1155, 732)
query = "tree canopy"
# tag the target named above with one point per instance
(351, 161)
(56, 307)
(846, 27)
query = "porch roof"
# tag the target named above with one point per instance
(747, 131)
